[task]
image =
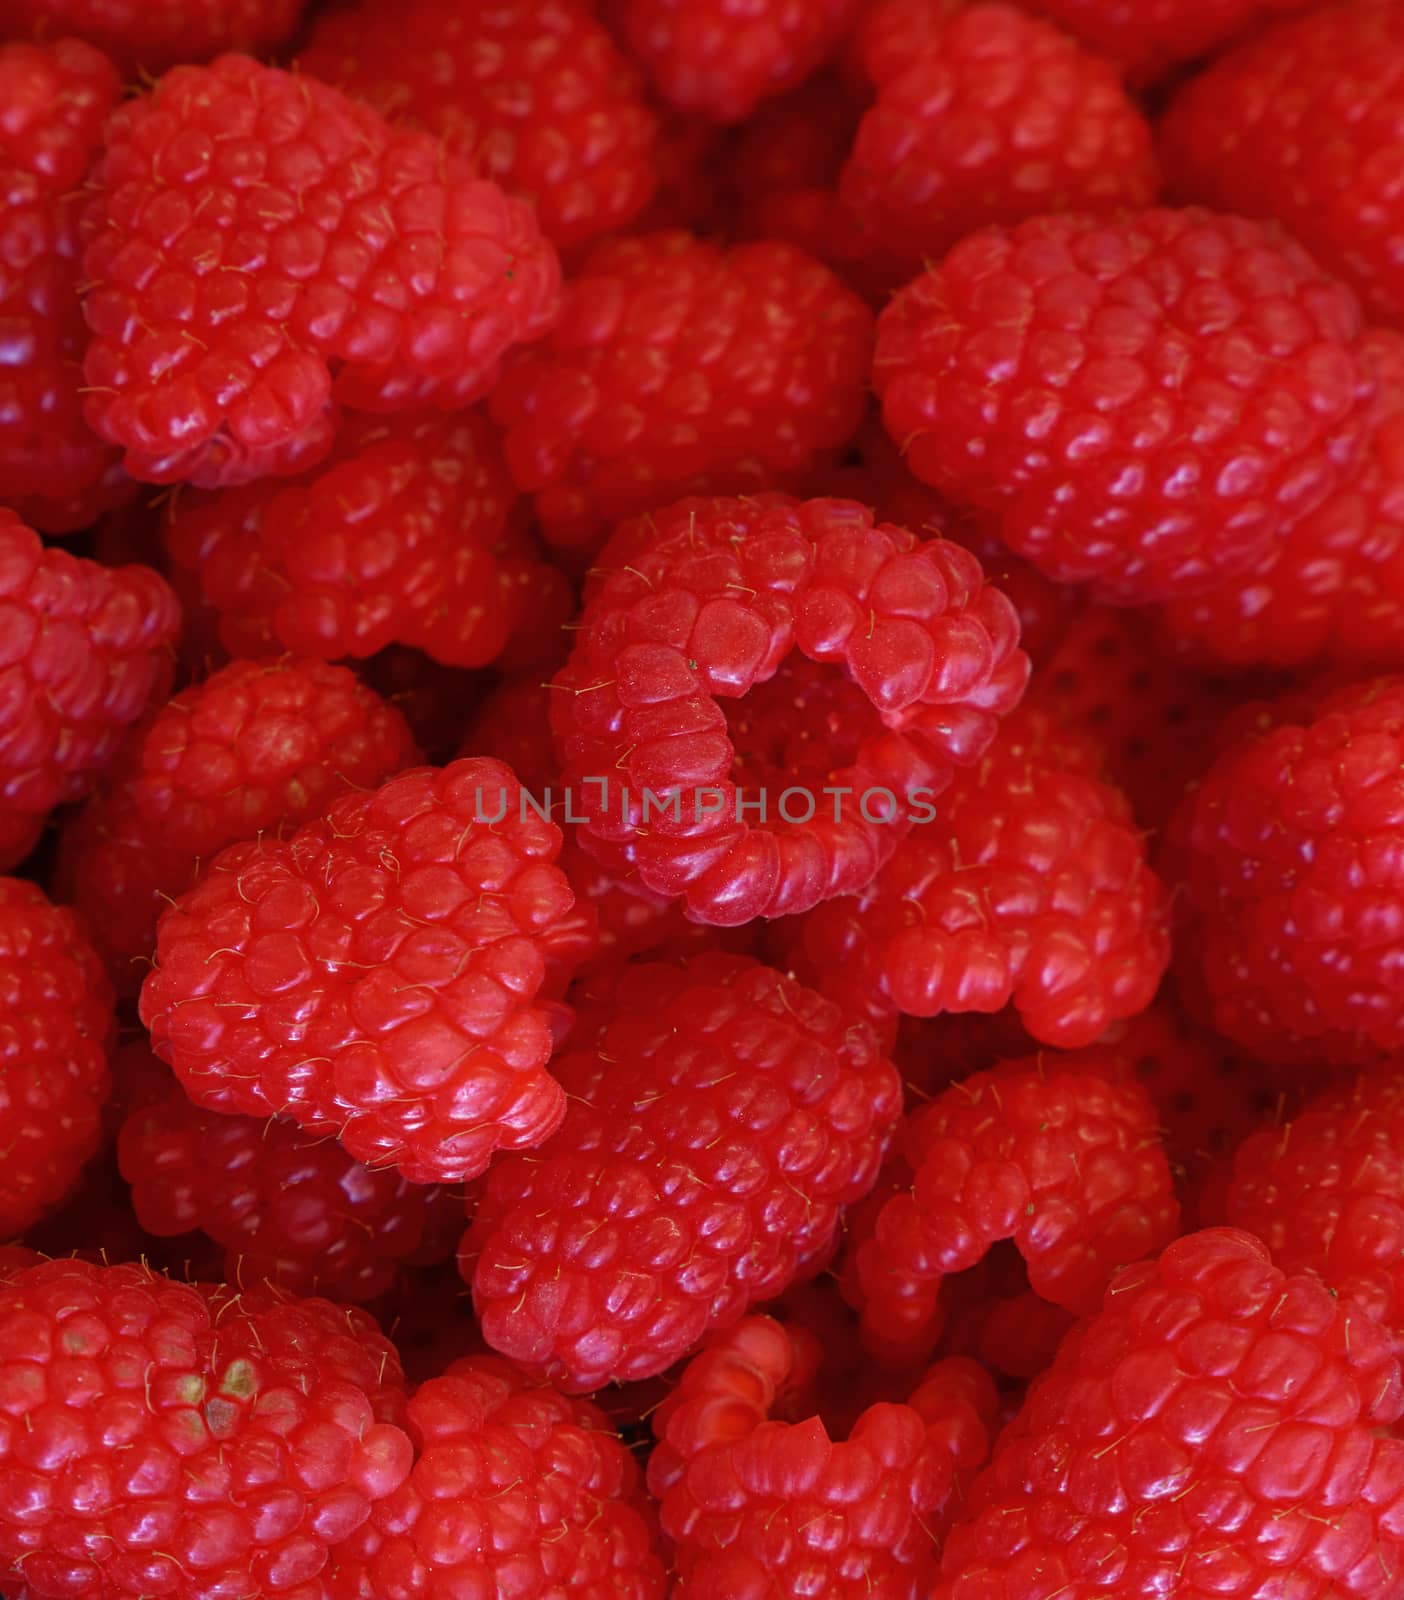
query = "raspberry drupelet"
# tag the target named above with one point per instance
(84, 649)
(515, 1490)
(759, 1506)
(1218, 1428)
(257, 748)
(680, 368)
(720, 1118)
(264, 248)
(1148, 402)
(858, 666)
(375, 976)
(147, 35)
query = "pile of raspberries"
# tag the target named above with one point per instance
(701, 800)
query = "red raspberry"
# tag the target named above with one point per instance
(892, 33)
(1000, 116)
(53, 471)
(513, 724)
(146, 35)
(83, 650)
(288, 1209)
(534, 93)
(264, 248)
(55, 1025)
(1301, 124)
(1050, 1153)
(1030, 886)
(677, 368)
(741, 600)
(722, 58)
(720, 1118)
(259, 747)
(516, 1490)
(409, 533)
(762, 1507)
(169, 1443)
(374, 975)
(1293, 837)
(1148, 402)
(1217, 1429)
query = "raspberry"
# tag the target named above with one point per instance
(83, 650)
(513, 724)
(892, 33)
(707, 601)
(1030, 886)
(677, 368)
(409, 533)
(259, 747)
(1149, 402)
(1218, 1428)
(1301, 124)
(55, 1024)
(533, 92)
(999, 117)
(265, 248)
(373, 976)
(720, 1118)
(722, 59)
(1292, 837)
(166, 1442)
(146, 35)
(53, 471)
(1050, 1153)
(515, 1490)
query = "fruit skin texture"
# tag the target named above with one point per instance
(151, 34)
(1000, 116)
(1052, 1153)
(721, 60)
(83, 650)
(55, 1026)
(264, 248)
(515, 1489)
(766, 1508)
(211, 1443)
(1300, 123)
(700, 605)
(257, 748)
(1147, 402)
(1030, 887)
(678, 368)
(375, 975)
(1217, 1428)
(720, 1118)
(534, 92)
(1291, 839)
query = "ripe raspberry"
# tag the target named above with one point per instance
(1217, 1429)
(762, 1507)
(409, 533)
(720, 1118)
(373, 976)
(722, 59)
(1148, 402)
(170, 1443)
(259, 747)
(1301, 124)
(999, 117)
(705, 602)
(891, 34)
(677, 368)
(515, 1489)
(1030, 886)
(55, 1025)
(147, 35)
(534, 93)
(265, 248)
(83, 650)
(1050, 1153)
(1292, 839)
